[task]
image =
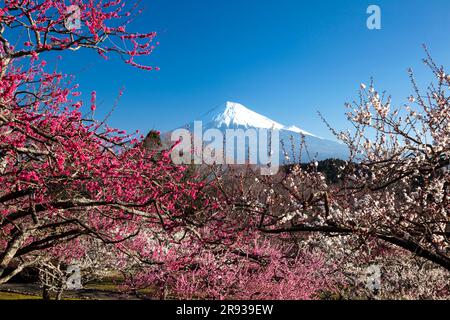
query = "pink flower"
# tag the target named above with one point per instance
(93, 100)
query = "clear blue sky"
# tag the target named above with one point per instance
(285, 59)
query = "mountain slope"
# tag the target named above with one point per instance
(233, 115)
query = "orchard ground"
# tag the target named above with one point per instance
(95, 290)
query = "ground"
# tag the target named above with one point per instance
(93, 291)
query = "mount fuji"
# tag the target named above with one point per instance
(233, 115)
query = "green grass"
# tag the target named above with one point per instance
(113, 287)
(102, 286)
(17, 296)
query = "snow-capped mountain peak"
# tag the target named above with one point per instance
(298, 130)
(234, 114)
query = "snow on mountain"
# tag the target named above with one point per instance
(236, 115)
(301, 131)
(233, 115)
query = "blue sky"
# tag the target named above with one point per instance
(286, 59)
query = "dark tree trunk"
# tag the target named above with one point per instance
(46, 292)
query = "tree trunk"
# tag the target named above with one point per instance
(59, 293)
(46, 292)
(11, 250)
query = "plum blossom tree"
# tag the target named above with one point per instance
(64, 176)
(251, 267)
(42, 27)
(395, 186)
(71, 183)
